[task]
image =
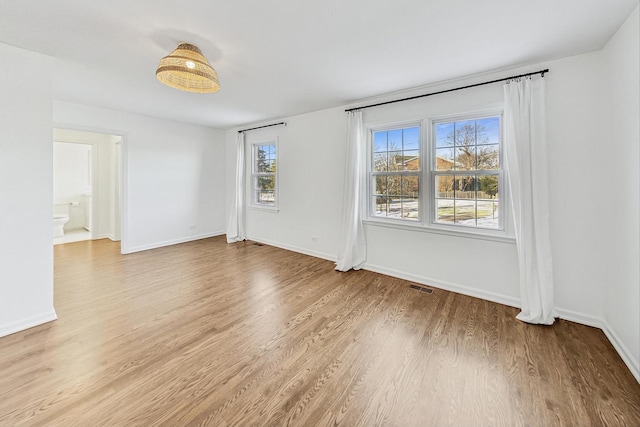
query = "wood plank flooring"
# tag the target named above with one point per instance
(207, 333)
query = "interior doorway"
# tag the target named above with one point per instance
(87, 185)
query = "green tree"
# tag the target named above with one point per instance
(265, 163)
(489, 185)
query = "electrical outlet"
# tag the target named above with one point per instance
(192, 227)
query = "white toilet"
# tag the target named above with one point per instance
(59, 220)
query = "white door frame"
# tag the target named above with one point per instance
(122, 177)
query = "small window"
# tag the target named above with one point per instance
(263, 176)
(466, 172)
(395, 173)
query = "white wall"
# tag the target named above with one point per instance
(310, 161)
(574, 113)
(311, 174)
(26, 252)
(174, 174)
(483, 268)
(586, 246)
(620, 226)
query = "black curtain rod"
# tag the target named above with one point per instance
(541, 72)
(260, 127)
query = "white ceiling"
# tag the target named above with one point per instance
(283, 57)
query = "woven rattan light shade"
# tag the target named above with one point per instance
(187, 69)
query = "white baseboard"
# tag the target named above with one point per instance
(297, 249)
(105, 236)
(627, 356)
(27, 323)
(583, 319)
(170, 242)
(447, 286)
(573, 316)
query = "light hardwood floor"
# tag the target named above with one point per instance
(206, 333)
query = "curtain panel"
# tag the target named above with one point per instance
(526, 170)
(352, 248)
(235, 226)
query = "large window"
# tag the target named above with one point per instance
(453, 182)
(465, 170)
(263, 176)
(395, 172)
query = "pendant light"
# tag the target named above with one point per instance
(187, 69)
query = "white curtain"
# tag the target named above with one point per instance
(235, 226)
(525, 165)
(352, 249)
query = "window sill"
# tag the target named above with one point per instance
(271, 209)
(419, 227)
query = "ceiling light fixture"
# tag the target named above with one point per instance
(187, 69)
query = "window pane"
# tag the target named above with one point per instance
(410, 208)
(396, 195)
(396, 161)
(444, 187)
(411, 138)
(264, 165)
(380, 185)
(395, 139)
(395, 207)
(265, 183)
(261, 162)
(265, 190)
(465, 133)
(411, 160)
(379, 142)
(410, 197)
(465, 186)
(488, 130)
(444, 159)
(394, 184)
(265, 158)
(466, 158)
(381, 206)
(488, 187)
(468, 198)
(489, 157)
(380, 163)
(488, 214)
(445, 211)
(409, 187)
(265, 197)
(465, 212)
(444, 135)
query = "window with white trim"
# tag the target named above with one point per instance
(264, 182)
(465, 171)
(453, 182)
(395, 172)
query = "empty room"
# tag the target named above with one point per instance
(338, 213)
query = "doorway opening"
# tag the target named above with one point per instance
(87, 188)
